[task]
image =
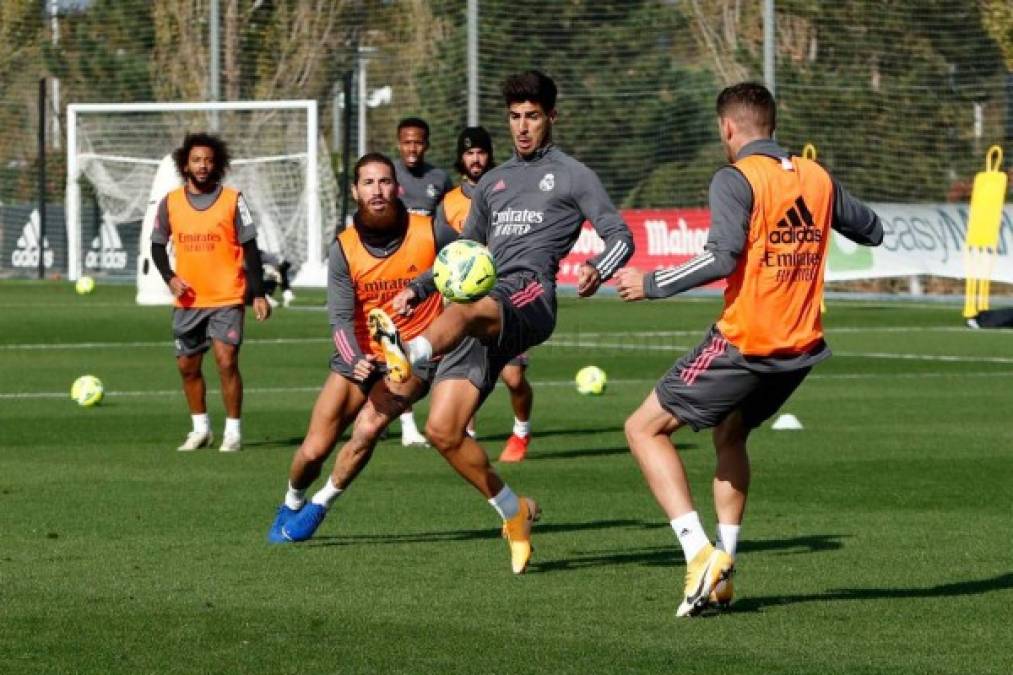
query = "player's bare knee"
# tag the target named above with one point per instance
(443, 437)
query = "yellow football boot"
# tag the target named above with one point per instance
(383, 330)
(703, 573)
(517, 532)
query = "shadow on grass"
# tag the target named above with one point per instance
(590, 452)
(464, 535)
(666, 556)
(546, 433)
(1001, 582)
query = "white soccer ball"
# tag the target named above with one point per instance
(87, 390)
(464, 271)
(85, 285)
(591, 381)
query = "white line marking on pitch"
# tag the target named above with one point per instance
(537, 383)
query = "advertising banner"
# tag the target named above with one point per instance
(918, 239)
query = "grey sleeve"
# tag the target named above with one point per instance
(161, 232)
(448, 185)
(440, 215)
(341, 306)
(246, 229)
(855, 220)
(423, 284)
(731, 201)
(476, 227)
(595, 205)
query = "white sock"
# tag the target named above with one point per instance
(408, 425)
(472, 432)
(690, 533)
(728, 538)
(232, 425)
(420, 351)
(327, 494)
(506, 503)
(522, 429)
(294, 499)
(201, 423)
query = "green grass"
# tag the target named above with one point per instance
(877, 539)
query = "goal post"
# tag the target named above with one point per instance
(278, 162)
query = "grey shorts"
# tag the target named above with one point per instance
(193, 328)
(527, 310)
(345, 370)
(473, 361)
(706, 385)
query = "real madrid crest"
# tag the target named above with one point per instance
(432, 191)
(548, 182)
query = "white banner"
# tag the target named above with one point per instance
(918, 239)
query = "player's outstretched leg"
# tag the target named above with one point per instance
(383, 330)
(337, 404)
(453, 402)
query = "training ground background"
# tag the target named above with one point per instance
(877, 538)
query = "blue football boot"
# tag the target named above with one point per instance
(305, 523)
(285, 514)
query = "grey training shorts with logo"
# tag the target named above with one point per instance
(706, 384)
(527, 310)
(193, 328)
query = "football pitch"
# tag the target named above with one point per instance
(877, 539)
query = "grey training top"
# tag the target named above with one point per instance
(731, 203)
(422, 188)
(246, 230)
(341, 289)
(529, 212)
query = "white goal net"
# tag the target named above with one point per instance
(278, 162)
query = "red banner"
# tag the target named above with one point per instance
(663, 238)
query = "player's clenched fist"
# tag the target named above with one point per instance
(630, 284)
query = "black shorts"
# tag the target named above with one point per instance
(706, 385)
(193, 328)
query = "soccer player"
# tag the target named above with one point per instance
(474, 159)
(367, 265)
(421, 186)
(212, 234)
(275, 276)
(529, 212)
(771, 215)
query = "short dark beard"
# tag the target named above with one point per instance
(208, 185)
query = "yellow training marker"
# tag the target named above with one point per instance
(987, 198)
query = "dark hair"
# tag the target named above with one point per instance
(473, 137)
(413, 123)
(373, 158)
(749, 102)
(531, 85)
(223, 159)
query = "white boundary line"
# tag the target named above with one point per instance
(560, 339)
(535, 383)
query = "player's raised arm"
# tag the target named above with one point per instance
(595, 204)
(854, 219)
(731, 200)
